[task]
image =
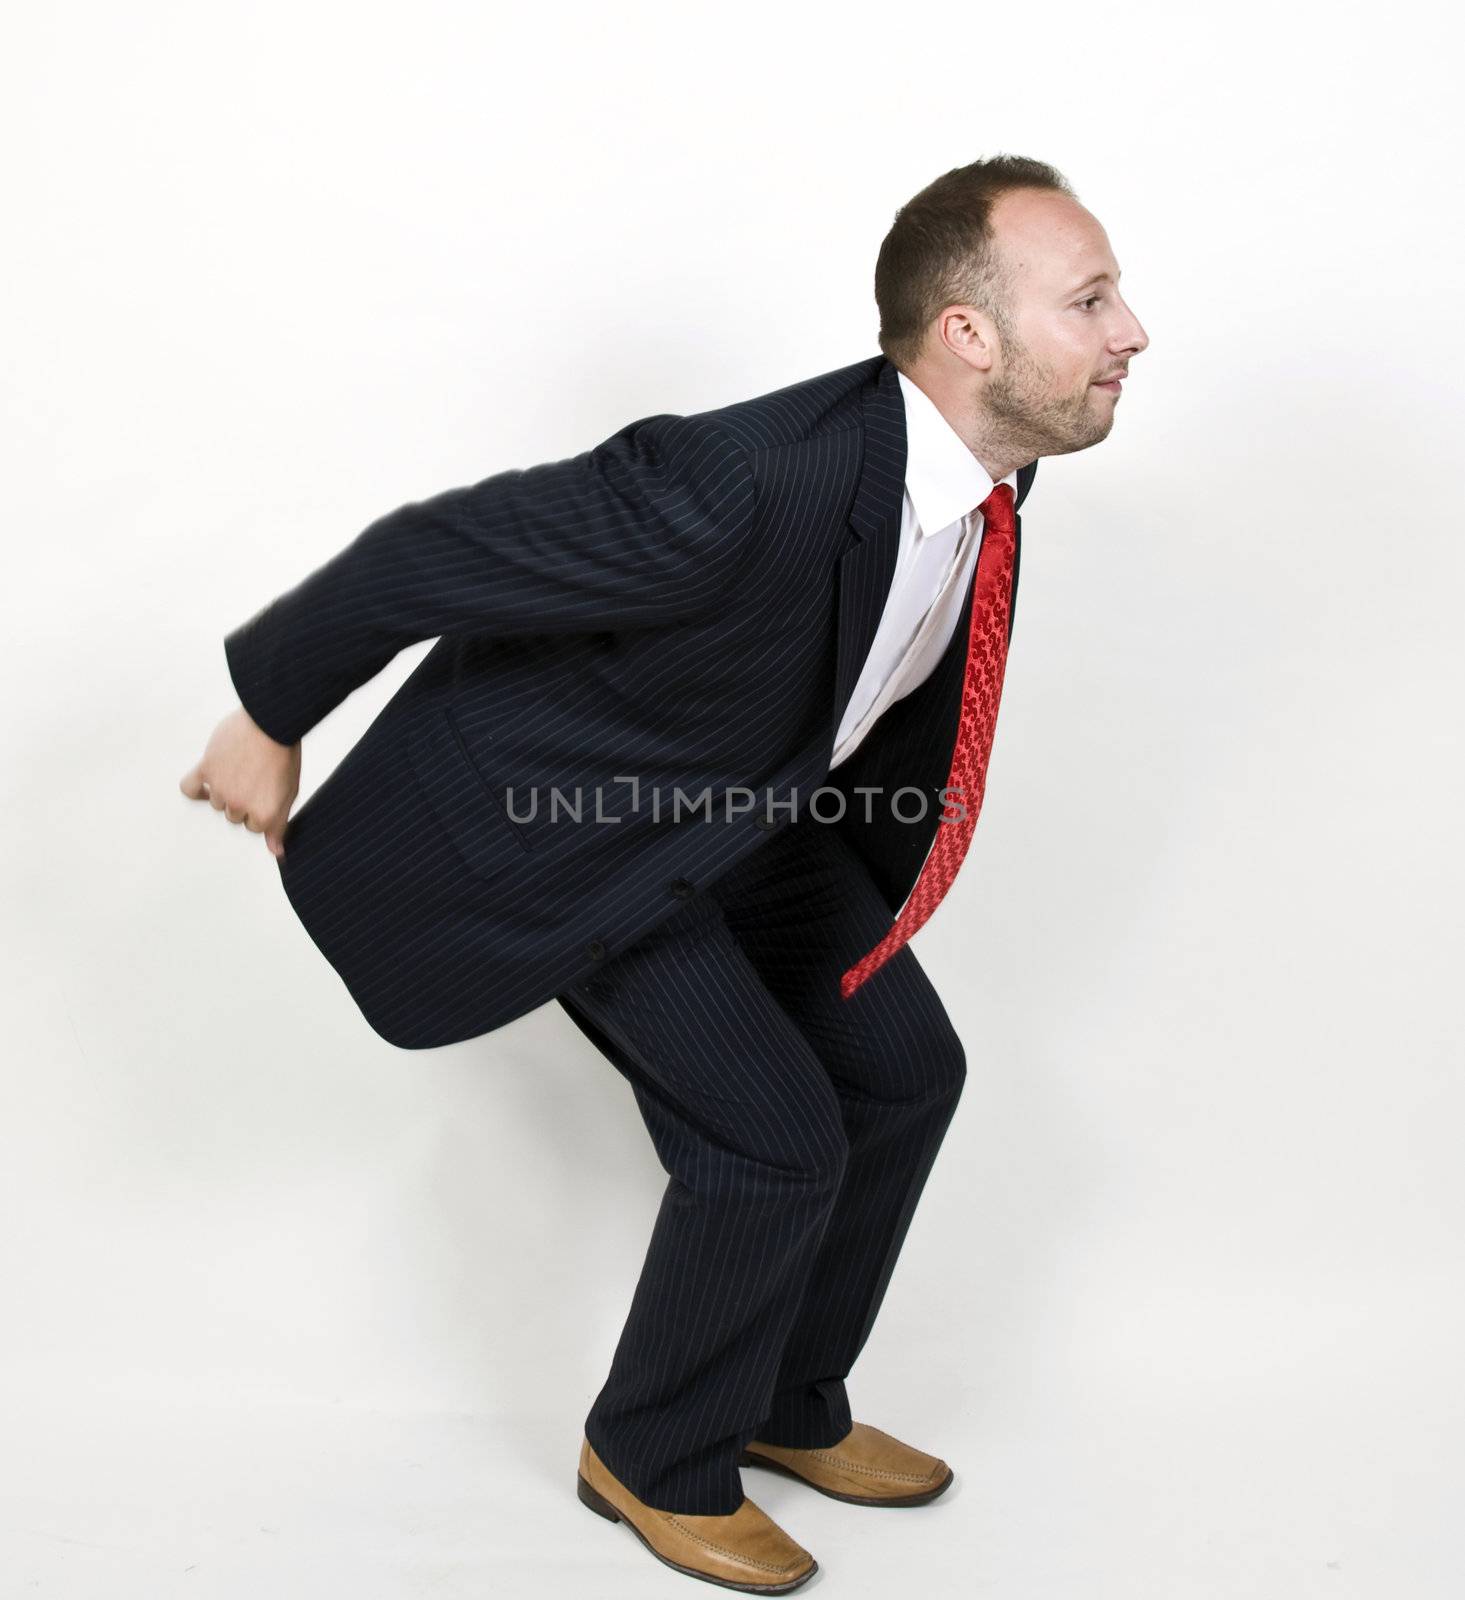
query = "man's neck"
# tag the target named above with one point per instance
(996, 457)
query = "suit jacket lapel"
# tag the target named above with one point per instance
(868, 565)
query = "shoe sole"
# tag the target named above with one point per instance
(603, 1508)
(750, 1458)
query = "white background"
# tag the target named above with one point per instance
(288, 1311)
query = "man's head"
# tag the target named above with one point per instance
(998, 295)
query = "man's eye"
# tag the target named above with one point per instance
(1092, 300)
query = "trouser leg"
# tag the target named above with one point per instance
(804, 908)
(749, 1128)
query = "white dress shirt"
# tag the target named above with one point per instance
(940, 535)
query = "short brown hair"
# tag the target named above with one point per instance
(939, 250)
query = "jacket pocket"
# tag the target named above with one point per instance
(461, 797)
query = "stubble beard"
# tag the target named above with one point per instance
(1028, 416)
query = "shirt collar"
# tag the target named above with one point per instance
(943, 478)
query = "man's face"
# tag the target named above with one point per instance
(1065, 328)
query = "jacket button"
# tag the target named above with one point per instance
(681, 888)
(768, 824)
(595, 949)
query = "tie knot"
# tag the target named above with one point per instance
(997, 508)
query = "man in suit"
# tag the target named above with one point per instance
(683, 759)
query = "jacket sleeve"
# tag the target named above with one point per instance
(649, 528)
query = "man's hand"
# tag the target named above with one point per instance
(249, 776)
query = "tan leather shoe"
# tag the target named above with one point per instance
(746, 1549)
(867, 1468)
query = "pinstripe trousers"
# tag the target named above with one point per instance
(797, 1130)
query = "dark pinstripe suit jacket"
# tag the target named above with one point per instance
(685, 607)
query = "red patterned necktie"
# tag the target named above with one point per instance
(980, 693)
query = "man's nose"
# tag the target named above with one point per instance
(1138, 339)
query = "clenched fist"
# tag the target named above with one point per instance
(249, 776)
